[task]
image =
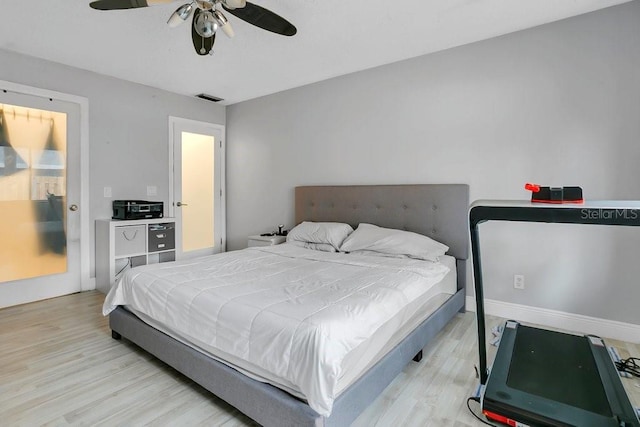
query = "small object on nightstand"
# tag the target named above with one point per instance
(268, 240)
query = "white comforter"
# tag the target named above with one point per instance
(286, 310)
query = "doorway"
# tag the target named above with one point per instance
(41, 220)
(197, 198)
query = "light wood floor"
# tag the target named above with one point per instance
(59, 366)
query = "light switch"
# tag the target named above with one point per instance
(107, 191)
(152, 190)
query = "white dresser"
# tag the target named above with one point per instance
(124, 244)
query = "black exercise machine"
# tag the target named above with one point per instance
(541, 377)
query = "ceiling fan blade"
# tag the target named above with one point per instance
(124, 4)
(263, 18)
(202, 45)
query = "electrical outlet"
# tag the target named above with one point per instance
(518, 281)
(152, 190)
(107, 192)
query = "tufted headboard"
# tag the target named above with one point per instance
(435, 210)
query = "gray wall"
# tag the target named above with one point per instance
(128, 128)
(558, 105)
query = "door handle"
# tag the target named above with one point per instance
(73, 208)
(181, 204)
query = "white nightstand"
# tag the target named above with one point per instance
(258, 240)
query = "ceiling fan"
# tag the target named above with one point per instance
(208, 18)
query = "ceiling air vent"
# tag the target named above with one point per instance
(209, 97)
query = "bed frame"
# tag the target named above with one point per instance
(436, 210)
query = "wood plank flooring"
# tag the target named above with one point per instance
(59, 366)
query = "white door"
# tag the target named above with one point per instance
(197, 196)
(39, 198)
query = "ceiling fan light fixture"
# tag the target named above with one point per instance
(205, 4)
(205, 24)
(234, 4)
(180, 15)
(223, 23)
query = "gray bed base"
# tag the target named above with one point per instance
(445, 207)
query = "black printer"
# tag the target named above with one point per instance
(137, 209)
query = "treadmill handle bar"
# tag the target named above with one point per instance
(479, 294)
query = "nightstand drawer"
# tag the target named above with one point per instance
(130, 240)
(162, 237)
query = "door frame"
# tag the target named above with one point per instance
(86, 283)
(173, 121)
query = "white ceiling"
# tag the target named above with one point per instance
(334, 38)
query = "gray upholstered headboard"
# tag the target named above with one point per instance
(435, 210)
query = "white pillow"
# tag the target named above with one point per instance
(393, 242)
(332, 233)
(324, 247)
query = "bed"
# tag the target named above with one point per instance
(435, 210)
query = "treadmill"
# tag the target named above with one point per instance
(541, 377)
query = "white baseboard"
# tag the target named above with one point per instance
(89, 284)
(558, 319)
